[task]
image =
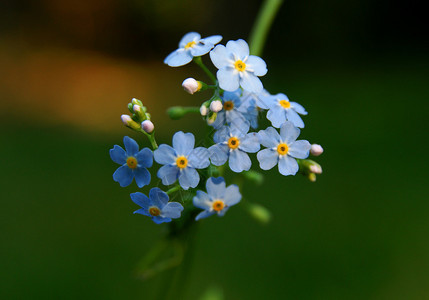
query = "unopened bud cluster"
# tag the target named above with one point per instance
(140, 118)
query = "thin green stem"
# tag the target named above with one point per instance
(173, 189)
(151, 138)
(200, 63)
(262, 25)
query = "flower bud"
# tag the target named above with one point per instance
(203, 110)
(191, 86)
(316, 169)
(316, 150)
(259, 213)
(126, 119)
(176, 112)
(137, 108)
(147, 126)
(136, 101)
(211, 118)
(216, 106)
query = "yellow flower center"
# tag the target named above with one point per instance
(282, 149)
(218, 205)
(190, 44)
(228, 105)
(240, 66)
(284, 103)
(182, 162)
(233, 143)
(154, 211)
(132, 162)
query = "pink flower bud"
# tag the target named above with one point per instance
(190, 85)
(126, 119)
(137, 108)
(315, 169)
(147, 126)
(203, 110)
(316, 150)
(216, 106)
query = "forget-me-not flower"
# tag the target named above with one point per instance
(157, 206)
(231, 114)
(282, 110)
(218, 198)
(191, 45)
(134, 163)
(181, 161)
(232, 143)
(282, 149)
(238, 68)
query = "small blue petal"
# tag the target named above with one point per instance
(218, 154)
(131, 146)
(143, 211)
(216, 187)
(229, 80)
(158, 197)
(118, 155)
(183, 143)
(204, 214)
(172, 210)
(141, 200)
(199, 158)
(232, 195)
(168, 174)
(202, 200)
(145, 158)
(142, 177)
(189, 37)
(159, 220)
(178, 58)
(189, 177)
(214, 39)
(257, 64)
(250, 143)
(221, 135)
(289, 133)
(220, 56)
(251, 83)
(123, 175)
(288, 165)
(239, 47)
(165, 155)
(293, 116)
(276, 115)
(267, 159)
(298, 108)
(239, 161)
(269, 137)
(299, 149)
(200, 49)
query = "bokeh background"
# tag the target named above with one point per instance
(68, 70)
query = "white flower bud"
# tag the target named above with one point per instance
(137, 108)
(190, 85)
(216, 106)
(126, 119)
(147, 126)
(315, 169)
(203, 110)
(316, 150)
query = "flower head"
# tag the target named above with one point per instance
(134, 163)
(234, 144)
(191, 45)
(231, 114)
(157, 206)
(181, 161)
(282, 110)
(218, 198)
(282, 149)
(238, 68)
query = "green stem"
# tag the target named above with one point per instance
(173, 189)
(262, 25)
(200, 63)
(151, 138)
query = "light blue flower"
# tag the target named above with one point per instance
(181, 161)
(134, 163)
(218, 198)
(233, 143)
(282, 110)
(231, 114)
(238, 68)
(157, 206)
(191, 45)
(282, 149)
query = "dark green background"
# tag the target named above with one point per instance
(359, 232)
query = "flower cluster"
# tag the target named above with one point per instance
(237, 110)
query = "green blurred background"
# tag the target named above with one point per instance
(68, 70)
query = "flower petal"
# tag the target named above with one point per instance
(288, 165)
(269, 137)
(159, 220)
(123, 175)
(220, 57)
(131, 146)
(289, 133)
(257, 64)
(199, 158)
(221, 135)
(239, 48)
(299, 149)
(145, 158)
(141, 199)
(229, 80)
(239, 161)
(172, 210)
(218, 154)
(232, 195)
(250, 143)
(183, 143)
(142, 177)
(158, 197)
(189, 37)
(214, 39)
(118, 155)
(216, 187)
(143, 211)
(202, 200)
(267, 158)
(298, 108)
(251, 83)
(168, 174)
(201, 49)
(277, 116)
(204, 214)
(293, 116)
(165, 155)
(178, 58)
(189, 177)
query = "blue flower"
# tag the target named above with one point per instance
(157, 206)
(282, 149)
(191, 45)
(237, 67)
(231, 113)
(218, 198)
(181, 160)
(134, 163)
(233, 143)
(282, 110)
